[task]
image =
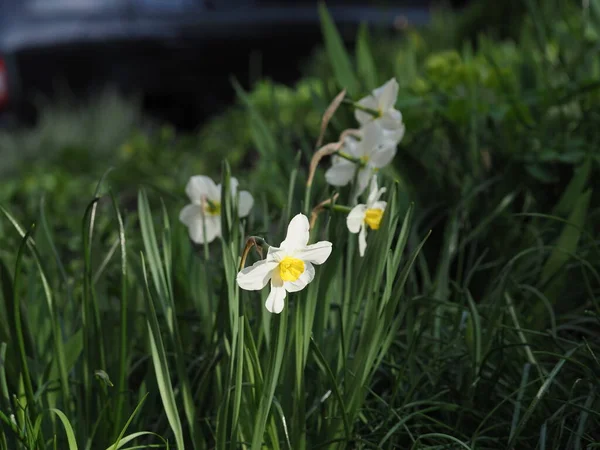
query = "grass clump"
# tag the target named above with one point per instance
(471, 321)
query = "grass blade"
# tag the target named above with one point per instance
(340, 61)
(364, 59)
(161, 367)
(119, 442)
(538, 397)
(68, 428)
(271, 380)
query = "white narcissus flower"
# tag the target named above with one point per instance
(369, 215)
(374, 150)
(288, 267)
(204, 212)
(382, 100)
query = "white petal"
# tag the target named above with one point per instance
(276, 254)
(372, 137)
(391, 138)
(382, 156)
(297, 233)
(372, 190)
(200, 186)
(193, 217)
(246, 201)
(315, 253)
(190, 213)
(392, 121)
(362, 240)
(387, 94)
(363, 117)
(379, 205)
(275, 300)
(341, 173)
(233, 186)
(306, 277)
(374, 193)
(350, 146)
(256, 277)
(355, 218)
(196, 228)
(362, 181)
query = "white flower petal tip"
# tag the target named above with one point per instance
(288, 267)
(316, 253)
(297, 233)
(276, 300)
(362, 241)
(200, 187)
(245, 203)
(256, 277)
(340, 173)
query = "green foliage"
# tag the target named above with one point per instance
(471, 322)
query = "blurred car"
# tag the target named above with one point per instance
(177, 53)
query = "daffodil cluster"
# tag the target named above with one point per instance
(375, 144)
(357, 156)
(364, 153)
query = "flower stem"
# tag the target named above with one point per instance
(341, 208)
(375, 113)
(350, 158)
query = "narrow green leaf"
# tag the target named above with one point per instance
(569, 238)
(366, 67)
(538, 397)
(271, 381)
(325, 367)
(474, 332)
(18, 325)
(574, 189)
(338, 56)
(68, 428)
(127, 439)
(119, 442)
(161, 367)
(123, 341)
(56, 330)
(263, 137)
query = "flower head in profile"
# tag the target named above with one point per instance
(369, 215)
(381, 102)
(203, 214)
(373, 150)
(288, 267)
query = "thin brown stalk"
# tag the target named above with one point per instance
(327, 150)
(252, 241)
(329, 112)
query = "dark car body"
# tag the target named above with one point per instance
(180, 50)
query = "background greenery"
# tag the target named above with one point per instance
(495, 342)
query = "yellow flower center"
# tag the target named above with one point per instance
(290, 268)
(364, 159)
(212, 208)
(373, 218)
